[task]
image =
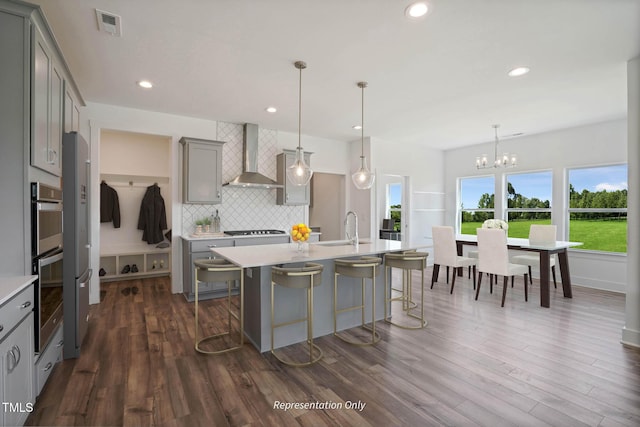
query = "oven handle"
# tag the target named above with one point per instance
(43, 262)
(49, 207)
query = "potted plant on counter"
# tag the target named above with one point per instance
(207, 224)
(199, 224)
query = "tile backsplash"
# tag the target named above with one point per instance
(244, 208)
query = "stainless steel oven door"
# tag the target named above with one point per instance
(49, 297)
(47, 227)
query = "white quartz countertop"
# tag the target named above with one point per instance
(11, 286)
(285, 253)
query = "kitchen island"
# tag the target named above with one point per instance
(290, 303)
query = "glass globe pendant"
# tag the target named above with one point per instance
(363, 179)
(299, 173)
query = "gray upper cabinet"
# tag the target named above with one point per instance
(33, 82)
(202, 171)
(71, 111)
(47, 107)
(14, 145)
(291, 194)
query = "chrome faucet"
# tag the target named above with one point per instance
(353, 239)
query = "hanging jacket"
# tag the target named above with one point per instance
(153, 217)
(109, 205)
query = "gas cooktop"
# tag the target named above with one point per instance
(252, 232)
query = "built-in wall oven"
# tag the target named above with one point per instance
(47, 260)
(46, 218)
(48, 311)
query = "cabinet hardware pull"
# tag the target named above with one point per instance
(16, 348)
(49, 366)
(25, 304)
(11, 366)
(212, 246)
(1, 328)
(60, 343)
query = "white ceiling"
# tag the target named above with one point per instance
(440, 81)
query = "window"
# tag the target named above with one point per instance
(528, 201)
(598, 208)
(394, 200)
(477, 197)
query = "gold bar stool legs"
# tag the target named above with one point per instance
(306, 277)
(363, 268)
(219, 270)
(407, 261)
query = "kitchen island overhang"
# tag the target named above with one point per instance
(257, 261)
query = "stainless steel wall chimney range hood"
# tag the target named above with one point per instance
(250, 177)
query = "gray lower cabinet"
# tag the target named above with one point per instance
(48, 360)
(16, 361)
(193, 250)
(201, 249)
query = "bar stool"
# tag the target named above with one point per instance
(407, 261)
(220, 270)
(363, 268)
(306, 277)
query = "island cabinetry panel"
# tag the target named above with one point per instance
(291, 194)
(16, 361)
(202, 171)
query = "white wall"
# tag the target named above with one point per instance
(424, 168)
(589, 145)
(129, 163)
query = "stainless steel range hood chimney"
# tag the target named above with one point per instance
(250, 177)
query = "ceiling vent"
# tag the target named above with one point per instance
(109, 23)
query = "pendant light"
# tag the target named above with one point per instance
(299, 173)
(363, 178)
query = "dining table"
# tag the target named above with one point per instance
(545, 251)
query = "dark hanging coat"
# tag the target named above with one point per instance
(109, 205)
(153, 217)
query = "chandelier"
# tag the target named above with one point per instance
(505, 160)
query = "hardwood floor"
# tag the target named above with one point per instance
(474, 364)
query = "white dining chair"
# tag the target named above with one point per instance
(446, 253)
(494, 259)
(539, 234)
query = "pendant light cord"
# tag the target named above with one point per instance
(362, 126)
(300, 65)
(362, 85)
(495, 154)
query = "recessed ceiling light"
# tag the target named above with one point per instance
(271, 109)
(356, 127)
(416, 10)
(519, 71)
(146, 84)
